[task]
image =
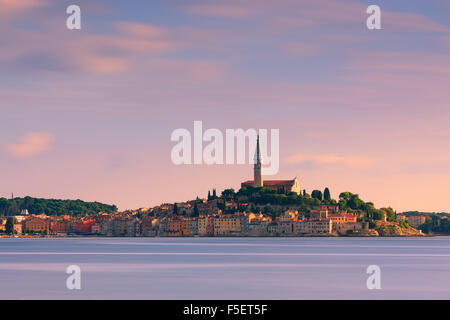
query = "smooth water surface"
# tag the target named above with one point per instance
(225, 268)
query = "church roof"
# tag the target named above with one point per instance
(271, 182)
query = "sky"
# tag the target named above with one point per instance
(88, 114)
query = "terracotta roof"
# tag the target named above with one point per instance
(269, 182)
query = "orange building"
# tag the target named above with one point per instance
(177, 227)
(59, 226)
(343, 217)
(37, 225)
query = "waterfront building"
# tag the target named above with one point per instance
(226, 225)
(3, 224)
(59, 225)
(344, 228)
(206, 225)
(342, 217)
(416, 221)
(324, 226)
(318, 214)
(193, 226)
(35, 224)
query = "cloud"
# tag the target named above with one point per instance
(14, 6)
(142, 30)
(303, 49)
(96, 64)
(300, 14)
(331, 159)
(221, 10)
(31, 144)
(411, 22)
(57, 50)
(188, 71)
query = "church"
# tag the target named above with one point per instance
(278, 185)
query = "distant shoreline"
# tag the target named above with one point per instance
(219, 237)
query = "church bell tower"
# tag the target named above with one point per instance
(257, 167)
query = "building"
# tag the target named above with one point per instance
(281, 227)
(206, 225)
(226, 225)
(193, 226)
(318, 214)
(95, 228)
(324, 226)
(18, 228)
(119, 227)
(133, 228)
(344, 228)
(244, 221)
(258, 227)
(147, 227)
(36, 225)
(342, 217)
(277, 185)
(416, 221)
(59, 226)
(174, 227)
(3, 224)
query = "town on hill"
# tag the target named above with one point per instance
(259, 208)
(252, 211)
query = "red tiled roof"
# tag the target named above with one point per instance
(270, 182)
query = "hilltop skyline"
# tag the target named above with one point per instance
(87, 114)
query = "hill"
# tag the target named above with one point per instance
(429, 214)
(52, 206)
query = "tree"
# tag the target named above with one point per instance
(390, 214)
(228, 194)
(214, 195)
(9, 227)
(9, 207)
(317, 194)
(326, 194)
(268, 210)
(175, 209)
(195, 213)
(348, 200)
(209, 195)
(345, 195)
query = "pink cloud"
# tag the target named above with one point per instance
(221, 10)
(90, 52)
(95, 64)
(142, 30)
(300, 14)
(31, 144)
(15, 6)
(410, 22)
(188, 71)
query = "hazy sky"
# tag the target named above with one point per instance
(88, 113)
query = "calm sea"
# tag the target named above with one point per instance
(225, 268)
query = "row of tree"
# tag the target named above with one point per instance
(347, 201)
(10, 207)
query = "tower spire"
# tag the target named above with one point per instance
(257, 167)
